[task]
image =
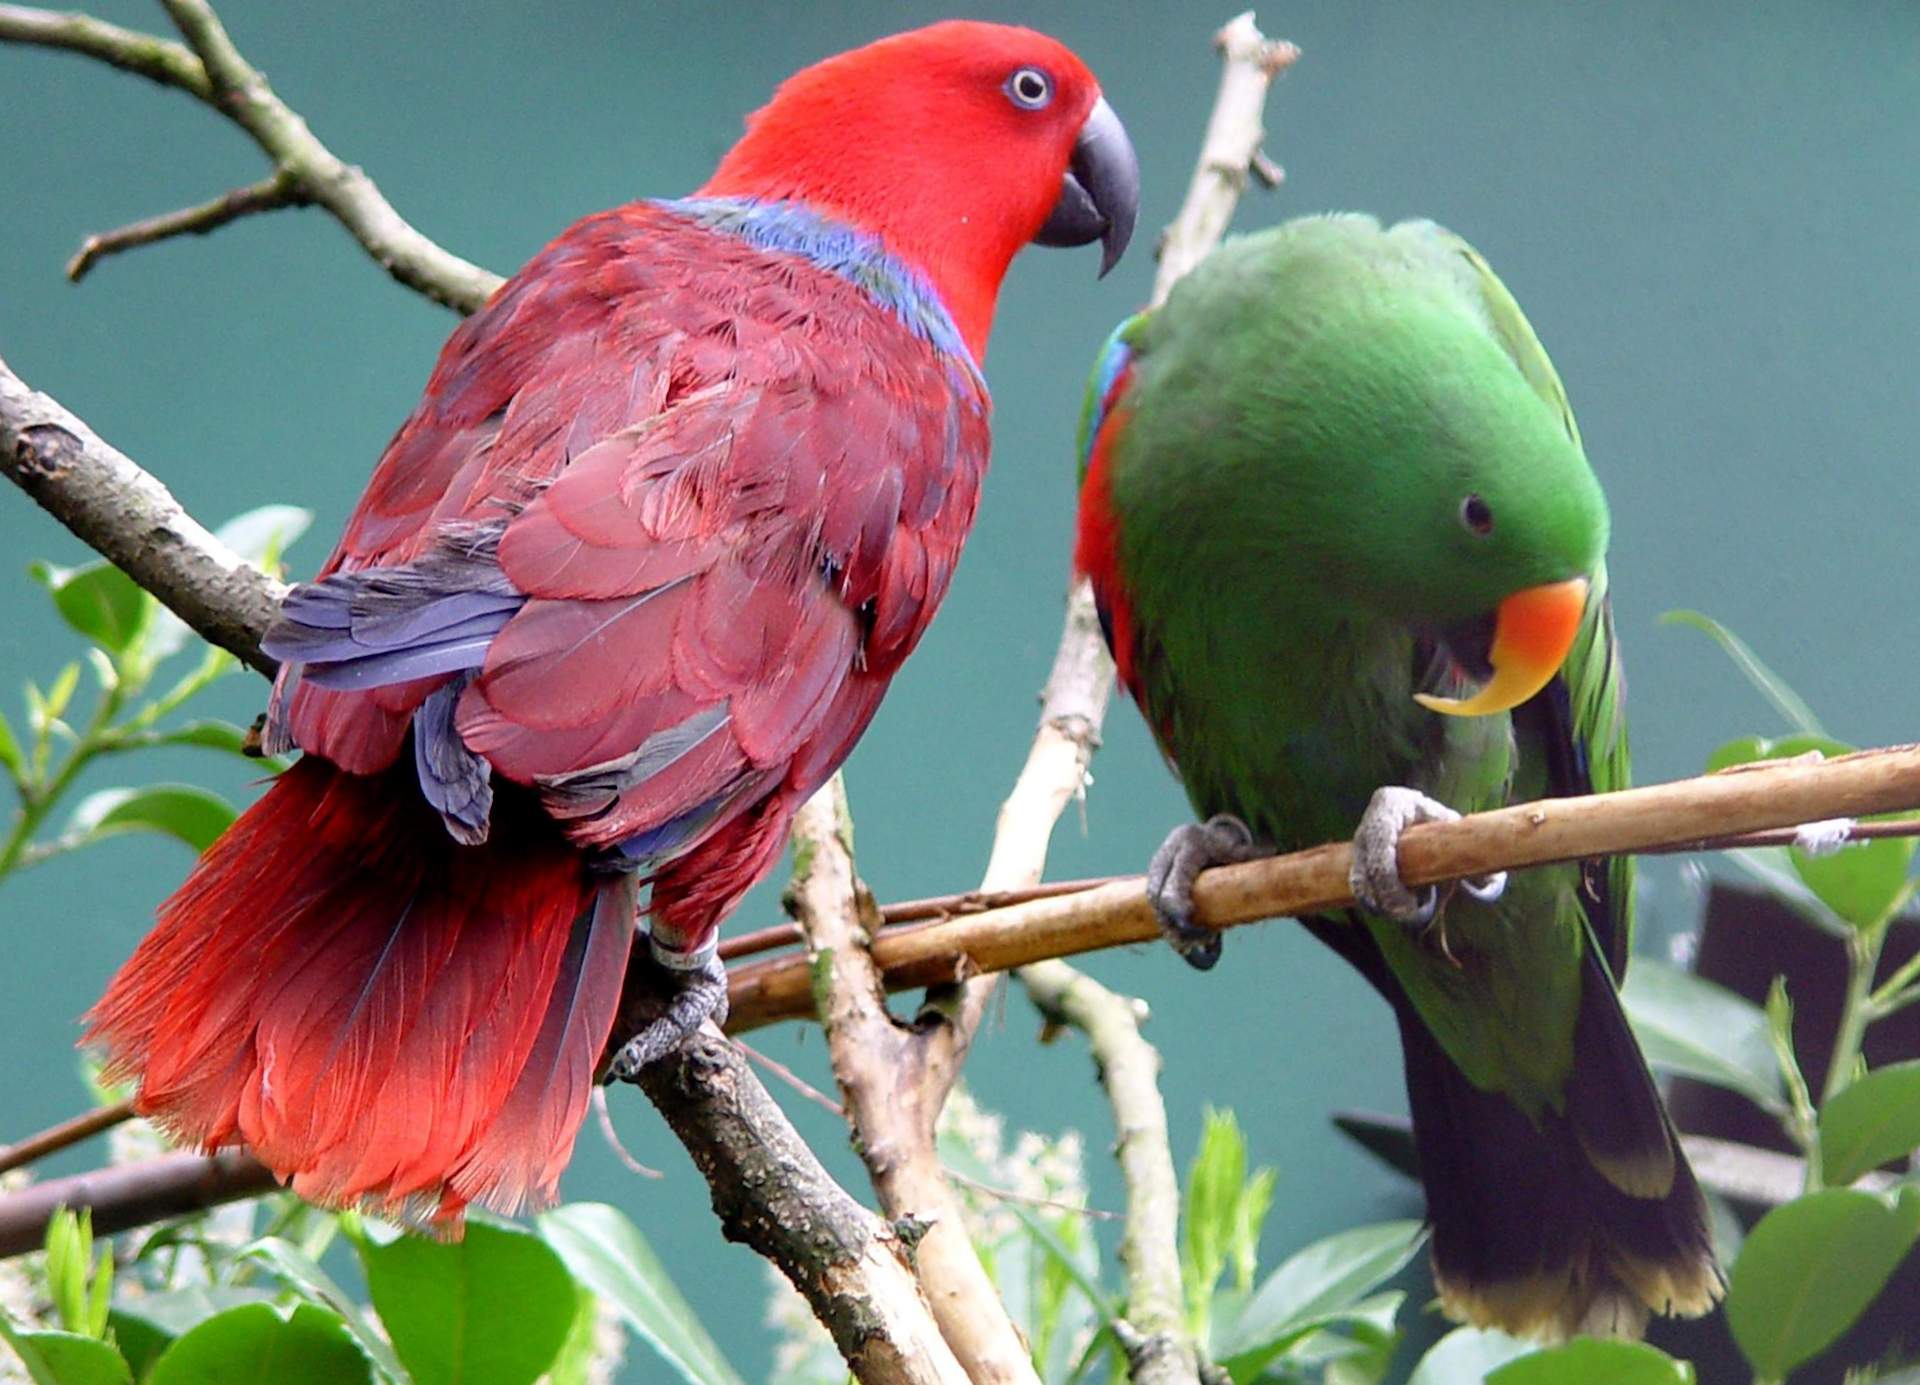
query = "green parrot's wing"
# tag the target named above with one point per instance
(1115, 354)
(1592, 727)
(1586, 727)
(1509, 325)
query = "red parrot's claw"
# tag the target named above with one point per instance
(695, 997)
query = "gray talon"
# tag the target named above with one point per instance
(1189, 849)
(1375, 874)
(702, 996)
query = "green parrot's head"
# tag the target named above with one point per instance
(1442, 489)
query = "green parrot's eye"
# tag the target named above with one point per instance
(1477, 515)
(1029, 88)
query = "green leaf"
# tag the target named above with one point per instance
(1465, 1356)
(1207, 1214)
(140, 1341)
(297, 1270)
(99, 1296)
(1588, 1359)
(1862, 883)
(1869, 1122)
(98, 600)
(1765, 681)
(146, 1326)
(1811, 1267)
(607, 1253)
(1692, 1027)
(12, 759)
(195, 816)
(255, 1343)
(573, 1363)
(1312, 1288)
(210, 732)
(61, 693)
(65, 1358)
(262, 536)
(492, 1308)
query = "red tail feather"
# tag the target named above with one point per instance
(384, 1017)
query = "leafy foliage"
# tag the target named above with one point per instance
(131, 636)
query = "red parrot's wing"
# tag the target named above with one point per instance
(641, 563)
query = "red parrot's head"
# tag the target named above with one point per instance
(956, 144)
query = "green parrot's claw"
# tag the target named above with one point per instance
(1189, 849)
(1485, 888)
(689, 997)
(1375, 873)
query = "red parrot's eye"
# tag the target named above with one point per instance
(1029, 88)
(1477, 515)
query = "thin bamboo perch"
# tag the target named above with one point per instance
(1660, 817)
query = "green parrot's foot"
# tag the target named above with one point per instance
(1189, 849)
(1375, 873)
(688, 997)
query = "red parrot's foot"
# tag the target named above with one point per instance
(1189, 849)
(1375, 873)
(680, 1000)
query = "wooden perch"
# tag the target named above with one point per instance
(1685, 814)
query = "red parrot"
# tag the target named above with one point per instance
(624, 590)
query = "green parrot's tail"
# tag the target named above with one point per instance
(1582, 1221)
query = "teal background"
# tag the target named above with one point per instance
(1708, 211)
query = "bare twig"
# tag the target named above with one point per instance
(124, 514)
(64, 1135)
(792, 1079)
(895, 1078)
(278, 189)
(157, 59)
(1750, 798)
(1229, 150)
(604, 1118)
(1129, 1068)
(211, 69)
(129, 1195)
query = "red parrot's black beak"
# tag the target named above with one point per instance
(1100, 196)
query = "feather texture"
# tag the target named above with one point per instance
(1277, 466)
(623, 590)
(361, 1012)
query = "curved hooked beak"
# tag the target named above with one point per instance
(1100, 196)
(1532, 634)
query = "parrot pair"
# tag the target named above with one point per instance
(624, 590)
(631, 580)
(1348, 555)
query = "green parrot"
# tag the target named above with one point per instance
(1349, 558)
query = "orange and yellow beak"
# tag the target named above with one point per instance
(1533, 630)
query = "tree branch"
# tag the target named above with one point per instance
(279, 189)
(772, 1194)
(58, 1137)
(211, 69)
(124, 514)
(1687, 814)
(895, 1078)
(124, 1196)
(1229, 151)
(1129, 1070)
(157, 59)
